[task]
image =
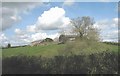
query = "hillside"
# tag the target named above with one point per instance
(66, 58)
(54, 49)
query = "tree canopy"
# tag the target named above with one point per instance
(83, 27)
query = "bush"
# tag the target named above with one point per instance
(83, 46)
(99, 63)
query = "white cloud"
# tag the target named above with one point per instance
(3, 39)
(40, 36)
(25, 37)
(22, 36)
(11, 12)
(15, 41)
(53, 36)
(115, 22)
(109, 29)
(106, 23)
(52, 19)
(15, 18)
(28, 38)
(68, 2)
(115, 19)
(31, 28)
(18, 31)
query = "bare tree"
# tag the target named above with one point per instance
(83, 26)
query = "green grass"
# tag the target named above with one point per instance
(54, 49)
(43, 50)
(84, 48)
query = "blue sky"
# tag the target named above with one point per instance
(105, 15)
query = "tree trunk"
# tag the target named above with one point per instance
(81, 35)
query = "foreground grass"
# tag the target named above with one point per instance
(52, 50)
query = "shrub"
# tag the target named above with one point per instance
(99, 63)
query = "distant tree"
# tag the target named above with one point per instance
(9, 45)
(83, 27)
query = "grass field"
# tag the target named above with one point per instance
(54, 49)
(69, 58)
(43, 50)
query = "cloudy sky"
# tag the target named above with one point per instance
(23, 22)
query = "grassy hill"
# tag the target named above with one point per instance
(54, 50)
(69, 58)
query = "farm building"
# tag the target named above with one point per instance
(35, 43)
(41, 42)
(64, 38)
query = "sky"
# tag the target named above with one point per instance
(24, 22)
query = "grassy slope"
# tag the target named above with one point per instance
(53, 49)
(47, 51)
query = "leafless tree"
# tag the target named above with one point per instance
(83, 26)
